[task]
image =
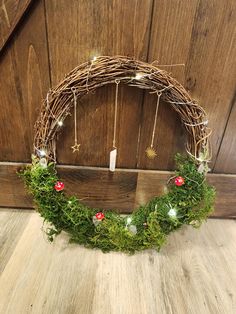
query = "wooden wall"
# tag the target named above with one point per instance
(42, 40)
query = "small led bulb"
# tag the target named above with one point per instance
(60, 123)
(129, 220)
(172, 212)
(94, 58)
(139, 76)
(42, 153)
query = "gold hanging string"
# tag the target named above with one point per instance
(155, 119)
(150, 151)
(113, 152)
(76, 146)
(115, 114)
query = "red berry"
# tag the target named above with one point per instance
(100, 216)
(179, 181)
(59, 186)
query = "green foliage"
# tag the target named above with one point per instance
(147, 227)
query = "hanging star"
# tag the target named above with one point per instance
(151, 153)
(75, 148)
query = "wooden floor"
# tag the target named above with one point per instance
(194, 273)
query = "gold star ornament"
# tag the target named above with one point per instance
(151, 153)
(75, 148)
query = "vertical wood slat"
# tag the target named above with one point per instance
(226, 159)
(200, 34)
(11, 13)
(24, 80)
(169, 44)
(99, 27)
(211, 70)
(197, 33)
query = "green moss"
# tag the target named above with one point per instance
(151, 223)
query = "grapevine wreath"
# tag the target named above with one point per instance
(189, 199)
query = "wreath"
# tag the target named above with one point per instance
(188, 199)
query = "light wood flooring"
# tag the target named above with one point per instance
(194, 274)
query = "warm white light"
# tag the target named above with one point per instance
(139, 76)
(42, 153)
(94, 58)
(129, 220)
(205, 122)
(69, 202)
(60, 123)
(172, 212)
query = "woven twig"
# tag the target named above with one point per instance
(89, 76)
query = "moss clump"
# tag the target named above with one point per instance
(147, 227)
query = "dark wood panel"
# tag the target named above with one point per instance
(169, 44)
(124, 190)
(11, 12)
(211, 70)
(99, 188)
(24, 81)
(226, 159)
(201, 35)
(13, 193)
(99, 27)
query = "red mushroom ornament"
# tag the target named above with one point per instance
(100, 216)
(179, 181)
(59, 186)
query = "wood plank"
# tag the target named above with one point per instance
(100, 188)
(99, 27)
(226, 159)
(11, 13)
(124, 190)
(24, 81)
(97, 283)
(210, 70)
(169, 44)
(201, 35)
(12, 224)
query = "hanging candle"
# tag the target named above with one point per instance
(113, 155)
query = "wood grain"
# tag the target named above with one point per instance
(213, 47)
(53, 39)
(12, 224)
(169, 44)
(200, 34)
(226, 159)
(99, 27)
(24, 81)
(11, 12)
(194, 274)
(124, 190)
(101, 187)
